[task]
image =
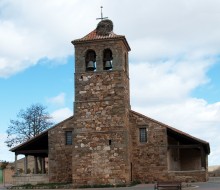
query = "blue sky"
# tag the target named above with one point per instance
(38, 83)
(174, 59)
(210, 91)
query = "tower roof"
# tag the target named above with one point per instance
(95, 36)
(103, 31)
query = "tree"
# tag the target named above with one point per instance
(4, 164)
(29, 123)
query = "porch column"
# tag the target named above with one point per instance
(43, 165)
(203, 159)
(16, 167)
(35, 165)
(25, 164)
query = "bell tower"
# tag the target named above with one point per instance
(101, 141)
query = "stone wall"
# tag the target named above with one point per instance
(101, 132)
(7, 174)
(98, 161)
(149, 160)
(60, 154)
(101, 101)
(30, 179)
(214, 171)
(188, 176)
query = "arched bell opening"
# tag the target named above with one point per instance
(90, 60)
(107, 59)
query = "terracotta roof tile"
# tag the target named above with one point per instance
(94, 36)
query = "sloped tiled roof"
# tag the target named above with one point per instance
(38, 136)
(94, 36)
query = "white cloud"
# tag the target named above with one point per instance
(173, 44)
(61, 114)
(5, 153)
(162, 91)
(168, 81)
(31, 30)
(57, 100)
(193, 116)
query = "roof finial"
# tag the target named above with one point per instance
(101, 18)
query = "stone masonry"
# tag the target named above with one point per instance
(107, 145)
(150, 159)
(60, 155)
(101, 131)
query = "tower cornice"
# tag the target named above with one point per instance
(104, 39)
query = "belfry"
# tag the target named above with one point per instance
(101, 108)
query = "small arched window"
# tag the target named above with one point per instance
(107, 59)
(90, 60)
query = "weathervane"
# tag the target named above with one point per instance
(101, 18)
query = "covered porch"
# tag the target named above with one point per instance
(187, 155)
(35, 167)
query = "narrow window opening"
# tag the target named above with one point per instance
(109, 142)
(143, 134)
(69, 138)
(126, 64)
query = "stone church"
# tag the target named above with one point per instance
(105, 142)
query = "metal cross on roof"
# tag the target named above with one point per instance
(101, 18)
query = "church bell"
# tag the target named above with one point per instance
(108, 65)
(90, 66)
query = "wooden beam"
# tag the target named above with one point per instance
(185, 146)
(32, 152)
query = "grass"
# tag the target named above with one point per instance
(69, 185)
(43, 186)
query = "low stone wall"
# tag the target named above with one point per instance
(8, 173)
(214, 179)
(30, 179)
(188, 176)
(214, 171)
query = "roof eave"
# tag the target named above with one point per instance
(39, 135)
(81, 41)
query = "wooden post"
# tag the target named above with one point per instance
(16, 167)
(203, 159)
(43, 165)
(25, 164)
(35, 165)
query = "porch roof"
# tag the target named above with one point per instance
(38, 145)
(35, 146)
